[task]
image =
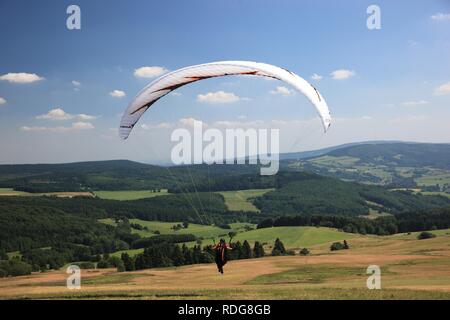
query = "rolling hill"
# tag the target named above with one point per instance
(394, 164)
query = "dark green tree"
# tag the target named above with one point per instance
(186, 254)
(278, 248)
(258, 250)
(177, 256)
(128, 262)
(247, 252)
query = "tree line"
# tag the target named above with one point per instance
(404, 222)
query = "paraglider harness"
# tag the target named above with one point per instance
(221, 250)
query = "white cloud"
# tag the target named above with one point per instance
(86, 117)
(59, 114)
(82, 125)
(188, 122)
(342, 74)
(76, 83)
(162, 125)
(117, 94)
(281, 90)
(440, 16)
(175, 94)
(149, 72)
(55, 114)
(316, 77)
(415, 103)
(218, 97)
(2, 101)
(21, 77)
(74, 127)
(443, 89)
(26, 128)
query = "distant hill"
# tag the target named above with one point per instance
(108, 175)
(414, 155)
(319, 152)
(395, 164)
(392, 164)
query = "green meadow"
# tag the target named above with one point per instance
(294, 237)
(241, 200)
(129, 194)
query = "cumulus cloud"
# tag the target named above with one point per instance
(117, 94)
(175, 94)
(442, 89)
(218, 97)
(59, 114)
(74, 127)
(55, 114)
(76, 83)
(415, 103)
(282, 91)
(342, 74)
(21, 77)
(316, 77)
(149, 72)
(440, 16)
(2, 101)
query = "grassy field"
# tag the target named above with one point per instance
(294, 237)
(434, 177)
(410, 269)
(331, 161)
(240, 200)
(413, 235)
(129, 194)
(445, 194)
(11, 192)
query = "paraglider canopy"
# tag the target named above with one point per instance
(175, 79)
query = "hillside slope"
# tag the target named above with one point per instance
(401, 165)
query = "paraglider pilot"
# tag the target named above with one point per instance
(221, 254)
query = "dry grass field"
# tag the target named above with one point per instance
(411, 269)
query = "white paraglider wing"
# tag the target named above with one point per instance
(175, 79)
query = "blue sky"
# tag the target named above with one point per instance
(394, 83)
